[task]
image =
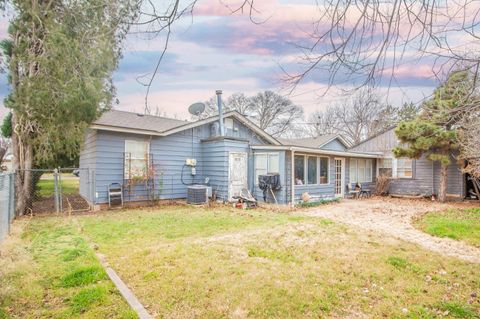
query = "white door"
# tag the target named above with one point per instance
(237, 173)
(339, 177)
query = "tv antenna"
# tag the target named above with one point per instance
(196, 108)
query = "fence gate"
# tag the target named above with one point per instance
(6, 203)
(72, 183)
(57, 190)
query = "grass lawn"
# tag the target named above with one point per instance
(47, 270)
(46, 186)
(455, 223)
(185, 262)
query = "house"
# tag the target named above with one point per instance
(158, 157)
(155, 157)
(412, 176)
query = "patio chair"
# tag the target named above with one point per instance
(364, 192)
(115, 194)
(352, 191)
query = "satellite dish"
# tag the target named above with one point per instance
(196, 108)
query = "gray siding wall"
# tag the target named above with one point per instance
(323, 190)
(426, 174)
(367, 185)
(315, 191)
(426, 179)
(334, 145)
(280, 195)
(215, 156)
(169, 154)
(240, 131)
(88, 163)
(384, 142)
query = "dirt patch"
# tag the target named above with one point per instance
(394, 217)
(70, 202)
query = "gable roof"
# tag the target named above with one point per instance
(374, 136)
(129, 122)
(314, 142)
(132, 120)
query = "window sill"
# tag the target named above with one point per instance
(307, 185)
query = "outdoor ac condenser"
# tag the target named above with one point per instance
(198, 194)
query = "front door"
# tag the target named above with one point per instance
(339, 177)
(237, 173)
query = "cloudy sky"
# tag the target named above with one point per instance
(214, 49)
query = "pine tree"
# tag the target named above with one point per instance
(434, 132)
(60, 56)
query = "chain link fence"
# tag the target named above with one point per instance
(7, 201)
(69, 189)
(51, 190)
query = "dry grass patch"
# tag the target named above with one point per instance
(184, 262)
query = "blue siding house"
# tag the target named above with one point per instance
(157, 158)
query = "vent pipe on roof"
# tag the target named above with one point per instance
(220, 112)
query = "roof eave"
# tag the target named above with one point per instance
(235, 114)
(122, 129)
(316, 151)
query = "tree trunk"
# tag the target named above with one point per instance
(22, 165)
(442, 191)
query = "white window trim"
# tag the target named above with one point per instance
(356, 170)
(267, 154)
(147, 159)
(395, 169)
(305, 170)
(395, 174)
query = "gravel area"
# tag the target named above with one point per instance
(393, 217)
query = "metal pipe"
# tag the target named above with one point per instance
(292, 178)
(220, 112)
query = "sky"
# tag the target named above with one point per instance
(213, 49)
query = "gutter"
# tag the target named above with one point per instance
(317, 151)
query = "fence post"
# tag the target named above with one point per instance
(56, 195)
(11, 199)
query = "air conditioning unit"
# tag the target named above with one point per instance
(198, 194)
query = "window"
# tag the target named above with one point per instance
(369, 170)
(324, 170)
(136, 159)
(266, 163)
(299, 166)
(312, 170)
(404, 168)
(361, 170)
(228, 122)
(385, 167)
(353, 170)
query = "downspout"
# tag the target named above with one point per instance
(220, 112)
(292, 179)
(433, 178)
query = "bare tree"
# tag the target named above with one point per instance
(5, 144)
(274, 113)
(469, 141)
(236, 102)
(156, 19)
(366, 42)
(270, 111)
(356, 118)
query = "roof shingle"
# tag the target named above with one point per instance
(131, 120)
(312, 142)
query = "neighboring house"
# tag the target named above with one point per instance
(145, 153)
(411, 176)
